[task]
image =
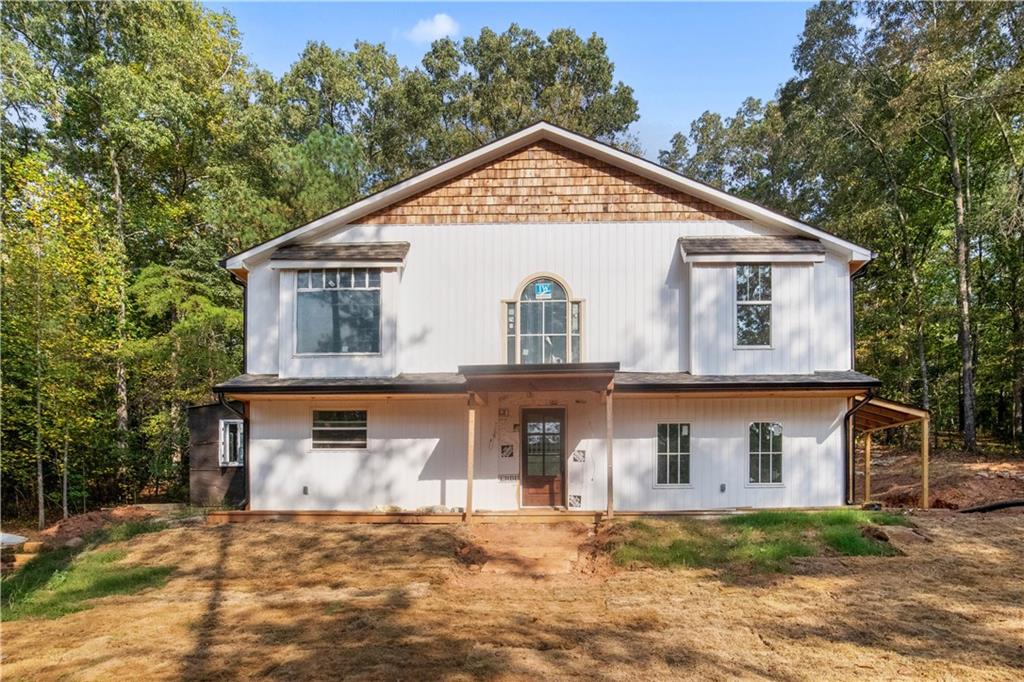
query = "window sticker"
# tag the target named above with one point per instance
(542, 290)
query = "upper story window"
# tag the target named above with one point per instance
(754, 305)
(543, 325)
(337, 311)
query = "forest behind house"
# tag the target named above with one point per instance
(140, 146)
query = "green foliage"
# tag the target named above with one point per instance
(759, 541)
(849, 541)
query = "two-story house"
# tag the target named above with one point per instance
(546, 322)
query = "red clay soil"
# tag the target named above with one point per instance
(956, 480)
(81, 525)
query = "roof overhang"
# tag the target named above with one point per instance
(847, 383)
(535, 133)
(403, 384)
(879, 414)
(578, 376)
(770, 249)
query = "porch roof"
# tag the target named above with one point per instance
(574, 376)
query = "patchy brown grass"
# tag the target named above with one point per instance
(370, 602)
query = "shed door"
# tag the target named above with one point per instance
(543, 457)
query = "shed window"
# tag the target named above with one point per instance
(232, 443)
(765, 452)
(673, 454)
(543, 326)
(337, 311)
(339, 429)
(754, 305)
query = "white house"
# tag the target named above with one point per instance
(546, 322)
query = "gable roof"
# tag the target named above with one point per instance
(535, 133)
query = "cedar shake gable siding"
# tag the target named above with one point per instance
(545, 182)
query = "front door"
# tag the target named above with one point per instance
(544, 457)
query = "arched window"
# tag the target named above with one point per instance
(543, 324)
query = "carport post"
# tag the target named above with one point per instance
(924, 462)
(867, 467)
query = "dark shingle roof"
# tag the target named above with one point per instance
(654, 382)
(366, 251)
(703, 246)
(436, 382)
(626, 382)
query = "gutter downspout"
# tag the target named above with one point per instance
(848, 437)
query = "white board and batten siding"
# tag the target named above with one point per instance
(416, 454)
(642, 305)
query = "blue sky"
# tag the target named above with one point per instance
(680, 58)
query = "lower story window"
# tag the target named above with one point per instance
(673, 454)
(339, 429)
(232, 442)
(765, 452)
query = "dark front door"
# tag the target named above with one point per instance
(544, 457)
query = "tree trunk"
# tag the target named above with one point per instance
(64, 481)
(40, 497)
(963, 278)
(121, 376)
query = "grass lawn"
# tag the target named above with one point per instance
(61, 581)
(762, 541)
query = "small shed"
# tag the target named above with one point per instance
(217, 461)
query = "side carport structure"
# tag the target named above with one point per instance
(878, 415)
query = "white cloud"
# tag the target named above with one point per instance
(436, 27)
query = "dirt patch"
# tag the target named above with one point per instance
(81, 525)
(956, 480)
(317, 602)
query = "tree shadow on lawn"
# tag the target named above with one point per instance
(940, 602)
(61, 581)
(401, 631)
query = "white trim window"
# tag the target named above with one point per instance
(231, 451)
(543, 325)
(672, 455)
(754, 306)
(339, 429)
(337, 311)
(765, 453)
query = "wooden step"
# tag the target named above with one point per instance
(21, 559)
(34, 547)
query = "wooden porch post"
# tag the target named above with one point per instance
(609, 440)
(924, 462)
(867, 467)
(470, 451)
